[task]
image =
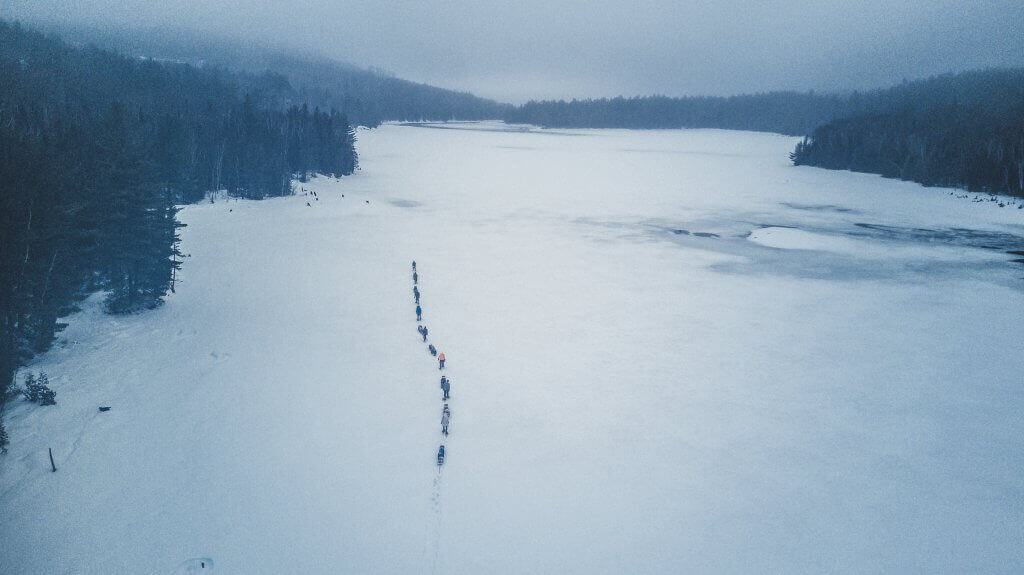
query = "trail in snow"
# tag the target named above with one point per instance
(438, 487)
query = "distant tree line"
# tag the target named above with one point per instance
(96, 152)
(791, 113)
(964, 130)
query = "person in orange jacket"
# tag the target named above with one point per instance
(440, 361)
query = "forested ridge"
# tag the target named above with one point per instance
(96, 151)
(959, 130)
(368, 96)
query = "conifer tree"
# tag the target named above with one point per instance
(46, 395)
(31, 391)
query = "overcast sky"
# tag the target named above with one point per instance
(517, 50)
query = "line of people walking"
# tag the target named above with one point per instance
(446, 385)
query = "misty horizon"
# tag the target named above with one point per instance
(537, 52)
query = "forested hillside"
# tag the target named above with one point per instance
(371, 97)
(367, 96)
(97, 149)
(964, 130)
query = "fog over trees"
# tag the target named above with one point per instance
(536, 49)
(367, 96)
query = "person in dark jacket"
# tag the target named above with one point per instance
(446, 387)
(432, 349)
(440, 456)
(413, 265)
(416, 294)
(415, 278)
(419, 313)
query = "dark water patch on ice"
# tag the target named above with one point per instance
(980, 239)
(965, 237)
(646, 230)
(658, 229)
(828, 261)
(764, 261)
(405, 203)
(825, 263)
(820, 208)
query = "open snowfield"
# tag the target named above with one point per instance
(670, 352)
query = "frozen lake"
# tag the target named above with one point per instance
(670, 352)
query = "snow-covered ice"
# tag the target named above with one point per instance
(669, 352)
